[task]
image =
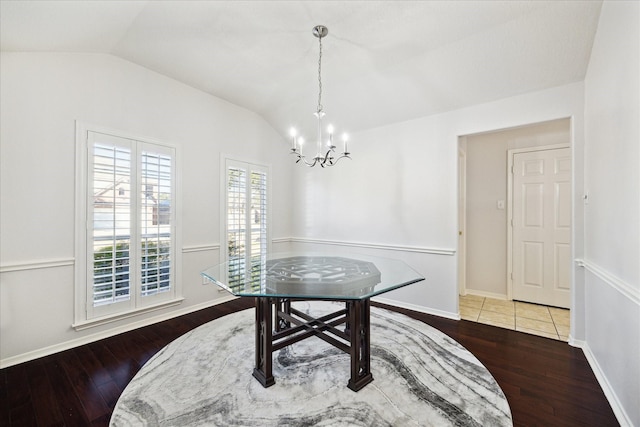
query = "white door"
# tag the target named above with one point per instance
(542, 227)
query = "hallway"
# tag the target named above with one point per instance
(550, 322)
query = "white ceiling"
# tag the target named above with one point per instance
(383, 61)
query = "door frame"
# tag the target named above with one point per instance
(462, 217)
(510, 155)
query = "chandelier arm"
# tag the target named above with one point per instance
(327, 156)
(341, 157)
(325, 161)
(304, 160)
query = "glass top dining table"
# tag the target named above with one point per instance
(277, 280)
(311, 275)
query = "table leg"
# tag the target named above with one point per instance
(359, 316)
(264, 342)
(282, 305)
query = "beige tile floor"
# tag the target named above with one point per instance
(535, 319)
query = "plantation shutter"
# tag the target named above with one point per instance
(246, 218)
(258, 224)
(258, 219)
(156, 220)
(111, 214)
(131, 221)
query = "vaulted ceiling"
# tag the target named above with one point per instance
(383, 61)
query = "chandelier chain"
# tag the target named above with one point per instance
(320, 77)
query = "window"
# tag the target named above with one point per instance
(246, 218)
(127, 256)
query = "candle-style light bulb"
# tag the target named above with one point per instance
(293, 134)
(345, 138)
(330, 131)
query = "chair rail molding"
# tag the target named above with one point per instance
(618, 284)
(388, 247)
(200, 248)
(37, 264)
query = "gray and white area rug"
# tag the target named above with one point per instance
(421, 378)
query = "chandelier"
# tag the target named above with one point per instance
(326, 151)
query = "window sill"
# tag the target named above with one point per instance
(86, 324)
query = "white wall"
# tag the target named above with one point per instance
(486, 183)
(612, 216)
(398, 196)
(42, 95)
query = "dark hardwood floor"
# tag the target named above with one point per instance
(547, 382)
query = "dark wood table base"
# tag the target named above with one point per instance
(292, 325)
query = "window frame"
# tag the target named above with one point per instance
(85, 313)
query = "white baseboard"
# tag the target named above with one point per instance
(56, 348)
(609, 392)
(576, 343)
(485, 294)
(418, 308)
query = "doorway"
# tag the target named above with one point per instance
(485, 253)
